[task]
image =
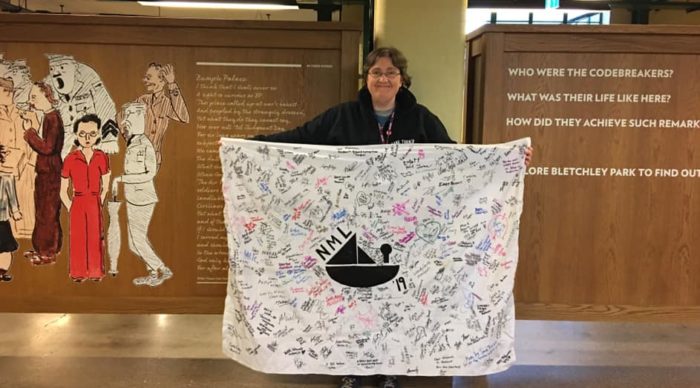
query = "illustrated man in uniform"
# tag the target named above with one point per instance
(140, 168)
(80, 91)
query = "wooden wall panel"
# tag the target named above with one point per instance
(284, 73)
(600, 247)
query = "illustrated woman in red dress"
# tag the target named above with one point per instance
(87, 169)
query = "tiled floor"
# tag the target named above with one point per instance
(89, 350)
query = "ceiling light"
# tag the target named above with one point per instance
(213, 4)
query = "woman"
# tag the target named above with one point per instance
(88, 170)
(8, 206)
(385, 112)
(47, 235)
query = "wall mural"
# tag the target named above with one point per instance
(392, 259)
(56, 138)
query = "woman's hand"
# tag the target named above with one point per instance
(528, 156)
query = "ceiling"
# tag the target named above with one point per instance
(589, 4)
(131, 7)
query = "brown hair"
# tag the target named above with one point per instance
(397, 59)
(88, 118)
(48, 93)
(7, 84)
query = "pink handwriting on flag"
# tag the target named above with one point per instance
(321, 182)
(335, 299)
(400, 209)
(309, 261)
(398, 230)
(298, 209)
(367, 320)
(407, 238)
(423, 298)
(319, 288)
(250, 225)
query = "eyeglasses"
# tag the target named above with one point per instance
(391, 74)
(87, 134)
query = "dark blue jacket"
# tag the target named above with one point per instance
(354, 123)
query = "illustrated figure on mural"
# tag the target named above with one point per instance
(9, 208)
(80, 91)
(19, 158)
(47, 235)
(140, 167)
(18, 71)
(87, 170)
(163, 102)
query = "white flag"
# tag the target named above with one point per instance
(384, 259)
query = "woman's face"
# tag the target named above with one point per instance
(87, 134)
(383, 81)
(38, 101)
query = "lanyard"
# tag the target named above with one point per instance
(388, 130)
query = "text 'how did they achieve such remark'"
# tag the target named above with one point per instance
(600, 122)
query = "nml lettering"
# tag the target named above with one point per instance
(330, 245)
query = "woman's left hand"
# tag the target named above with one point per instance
(528, 156)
